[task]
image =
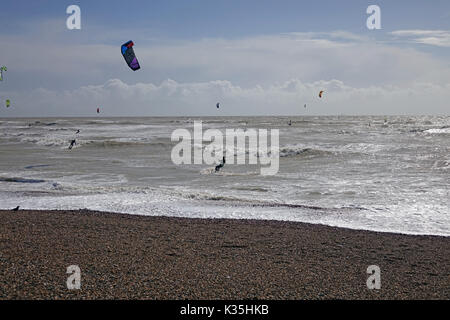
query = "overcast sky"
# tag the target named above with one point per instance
(256, 57)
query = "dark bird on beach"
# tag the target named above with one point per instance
(16, 208)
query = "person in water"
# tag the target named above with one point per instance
(219, 166)
(72, 143)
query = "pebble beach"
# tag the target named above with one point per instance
(124, 256)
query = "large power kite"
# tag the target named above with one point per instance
(129, 56)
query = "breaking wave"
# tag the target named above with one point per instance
(20, 180)
(301, 151)
(443, 130)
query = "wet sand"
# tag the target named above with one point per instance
(137, 257)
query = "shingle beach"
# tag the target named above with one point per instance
(141, 257)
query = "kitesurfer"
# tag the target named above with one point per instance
(219, 166)
(72, 143)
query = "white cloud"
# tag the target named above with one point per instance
(440, 38)
(251, 75)
(171, 98)
(247, 61)
(266, 59)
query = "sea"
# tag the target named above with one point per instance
(380, 173)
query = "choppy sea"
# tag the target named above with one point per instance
(363, 172)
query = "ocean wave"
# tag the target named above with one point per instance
(212, 170)
(20, 180)
(99, 121)
(61, 129)
(303, 206)
(417, 130)
(39, 123)
(37, 166)
(64, 142)
(204, 196)
(251, 188)
(115, 143)
(301, 151)
(46, 141)
(443, 130)
(441, 164)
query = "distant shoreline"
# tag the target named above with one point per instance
(124, 256)
(223, 116)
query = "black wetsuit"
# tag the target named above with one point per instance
(220, 165)
(72, 143)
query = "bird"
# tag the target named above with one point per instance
(16, 208)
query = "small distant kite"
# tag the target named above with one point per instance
(218, 105)
(3, 68)
(129, 56)
(320, 93)
(305, 105)
(8, 103)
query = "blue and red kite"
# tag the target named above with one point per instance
(129, 56)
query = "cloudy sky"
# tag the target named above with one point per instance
(257, 57)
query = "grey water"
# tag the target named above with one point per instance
(363, 172)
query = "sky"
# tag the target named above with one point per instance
(255, 57)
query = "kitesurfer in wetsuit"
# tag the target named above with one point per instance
(72, 143)
(219, 166)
